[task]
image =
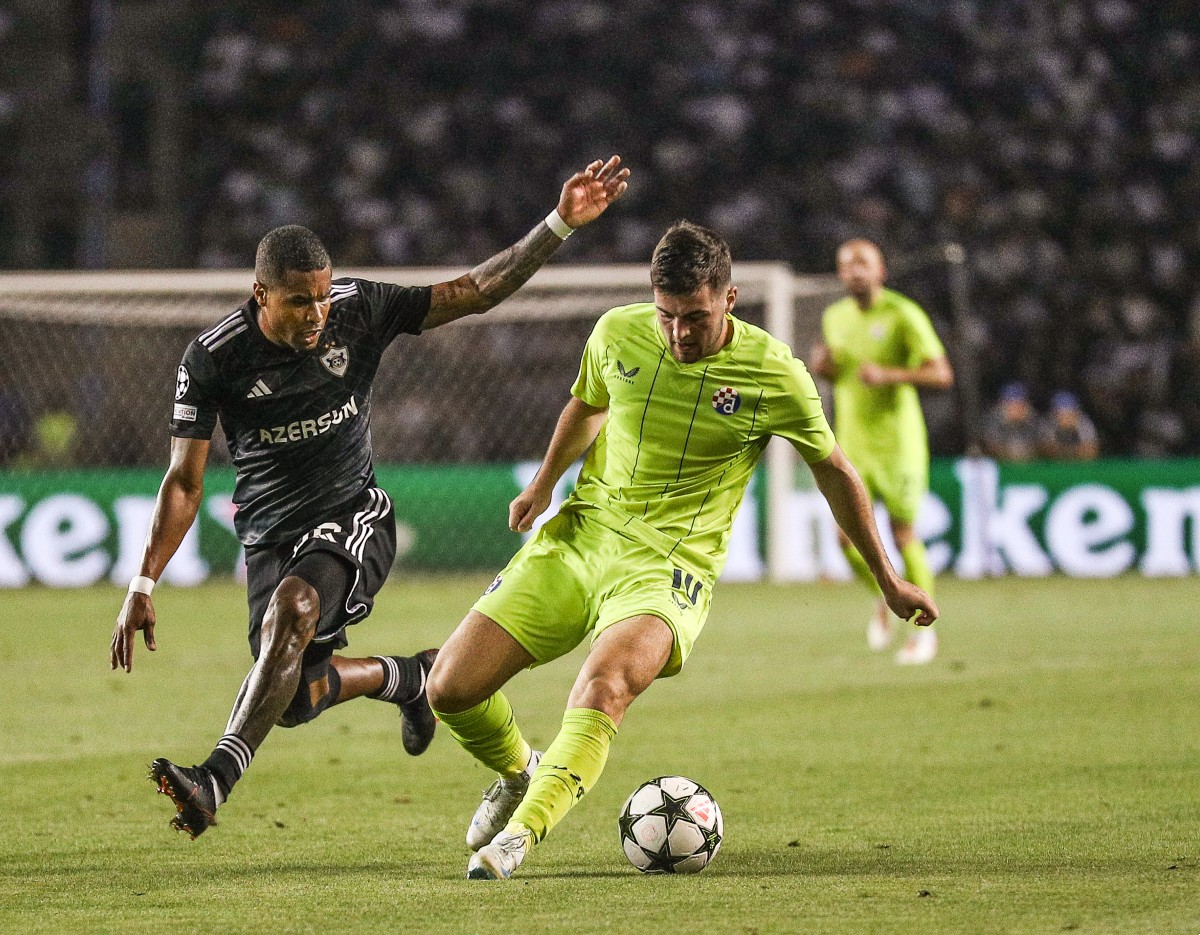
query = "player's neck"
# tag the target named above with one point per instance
(264, 327)
(725, 339)
(868, 299)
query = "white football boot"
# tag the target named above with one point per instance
(920, 648)
(500, 859)
(879, 628)
(499, 802)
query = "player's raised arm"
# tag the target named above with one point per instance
(174, 512)
(585, 196)
(841, 486)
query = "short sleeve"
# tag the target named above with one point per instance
(392, 309)
(196, 400)
(795, 412)
(589, 385)
(921, 341)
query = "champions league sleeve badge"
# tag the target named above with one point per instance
(727, 401)
(182, 381)
(336, 360)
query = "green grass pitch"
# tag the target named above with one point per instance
(1043, 775)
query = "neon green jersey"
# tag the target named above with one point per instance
(679, 445)
(879, 423)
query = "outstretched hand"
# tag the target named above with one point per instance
(586, 194)
(908, 602)
(137, 613)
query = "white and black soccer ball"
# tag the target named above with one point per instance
(671, 825)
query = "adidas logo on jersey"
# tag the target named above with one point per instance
(259, 389)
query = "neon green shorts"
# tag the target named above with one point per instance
(899, 486)
(576, 577)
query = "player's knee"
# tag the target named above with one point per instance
(318, 689)
(446, 692)
(291, 618)
(441, 692)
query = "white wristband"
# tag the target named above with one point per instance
(141, 584)
(560, 227)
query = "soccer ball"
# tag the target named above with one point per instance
(671, 825)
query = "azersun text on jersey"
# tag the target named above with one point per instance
(298, 425)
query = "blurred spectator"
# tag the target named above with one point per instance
(1067, 433)
(1059, 143)
(1011, 431)
(55, 435)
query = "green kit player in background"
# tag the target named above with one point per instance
(879, 347)
(674, 404)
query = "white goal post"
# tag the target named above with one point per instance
(128, 329)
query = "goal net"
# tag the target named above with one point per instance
(461, 414)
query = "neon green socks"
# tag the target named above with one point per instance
(569, 768)
(489, 733)
(858, 565)
(916, 566)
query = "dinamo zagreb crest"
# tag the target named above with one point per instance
(727, 401)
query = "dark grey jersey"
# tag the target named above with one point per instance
(298, 425)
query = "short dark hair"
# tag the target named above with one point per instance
(287, 249)
(688, 258)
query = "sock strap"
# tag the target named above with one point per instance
(591, 716)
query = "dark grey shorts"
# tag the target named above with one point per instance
(345, 559)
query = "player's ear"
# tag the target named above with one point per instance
(260, 293)
(730, 299)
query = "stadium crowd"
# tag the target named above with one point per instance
(1058, 143)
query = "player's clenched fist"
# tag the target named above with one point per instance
(528, 506)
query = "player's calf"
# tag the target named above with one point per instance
(319, 687)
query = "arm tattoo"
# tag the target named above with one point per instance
(506, 272)
(494, 280)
